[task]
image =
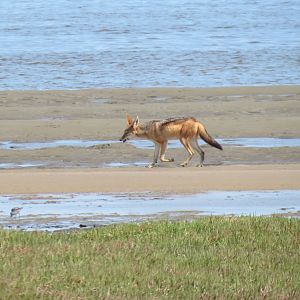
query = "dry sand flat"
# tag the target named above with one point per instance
(180, 180)
(100, 115)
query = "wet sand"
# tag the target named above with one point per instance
(90, 114)
(28, 116)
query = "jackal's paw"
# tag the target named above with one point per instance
(152, 166)
(184, 164)
(168, 160)
(162, 159)
(200, 165)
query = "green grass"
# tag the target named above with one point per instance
(211, 258)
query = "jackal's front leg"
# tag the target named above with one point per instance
(155, 157)
(163, 148)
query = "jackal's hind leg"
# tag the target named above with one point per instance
(163, 148)
(195, 145)
(189, 149)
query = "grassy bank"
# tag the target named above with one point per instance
(226, 258)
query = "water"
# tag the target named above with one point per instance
(21, 165)
(64, 211)
(121, 164)
(67, 44)
(8, 145)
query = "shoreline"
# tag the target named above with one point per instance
(159, 180)
(295, 88)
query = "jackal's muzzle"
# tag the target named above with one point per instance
(123, 140)
(124, 137)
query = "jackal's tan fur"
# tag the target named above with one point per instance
(186, 129)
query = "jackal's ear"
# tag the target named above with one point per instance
(129, 120)
(136, 121)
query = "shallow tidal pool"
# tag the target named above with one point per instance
(51, 212)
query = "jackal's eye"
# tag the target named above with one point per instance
(129, 130)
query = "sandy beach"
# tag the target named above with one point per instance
(39, 116)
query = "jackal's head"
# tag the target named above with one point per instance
(132, 126)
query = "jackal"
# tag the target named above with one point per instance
(186, 129)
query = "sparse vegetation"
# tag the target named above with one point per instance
(213, 257)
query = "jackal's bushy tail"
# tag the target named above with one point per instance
(209, 139)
